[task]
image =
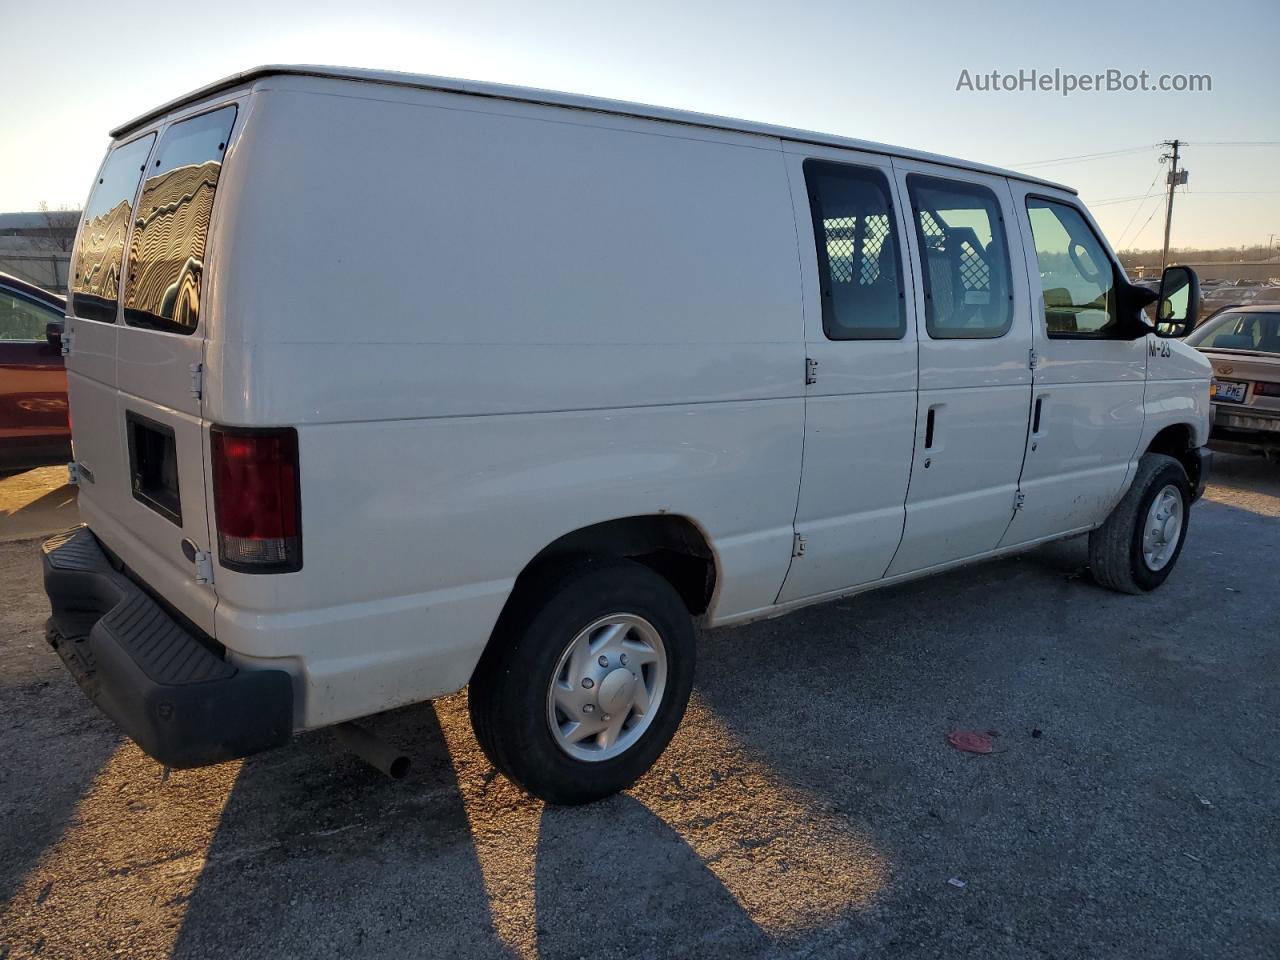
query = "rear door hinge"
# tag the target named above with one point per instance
(73, 473)
(197, 380)
(797, 545)
(204, 566)
(65, 342)
(1019, 501)
(810, 371)
(1033, 359)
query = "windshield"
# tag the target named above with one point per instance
(1258, 332)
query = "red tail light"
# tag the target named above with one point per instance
(257, 499)
(1266, 389)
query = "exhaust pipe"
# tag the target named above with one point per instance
(373, 750)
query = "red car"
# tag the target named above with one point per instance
(34, 431)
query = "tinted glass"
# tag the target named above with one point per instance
(166, 253)
(95, 288)
(20, 319)
(858, 261)
(1240, 331)
(965, 258)
(1077, 280)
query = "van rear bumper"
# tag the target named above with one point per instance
(178, 700)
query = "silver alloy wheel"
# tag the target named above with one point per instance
(607, 687)
(1163, 528)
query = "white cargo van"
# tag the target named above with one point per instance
(383, 385)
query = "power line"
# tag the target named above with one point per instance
(1228, 193)
(1087, 156)
(1143, 227)
(1114, 200)
(1189, 193)
(1151, 188)
(1128, 150)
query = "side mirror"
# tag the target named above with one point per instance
(1178, 308)
(53, 333)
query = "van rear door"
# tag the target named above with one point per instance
(136, 355)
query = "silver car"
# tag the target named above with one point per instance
(1243, 344)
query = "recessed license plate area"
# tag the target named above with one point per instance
(153, 466)
(1229, 391)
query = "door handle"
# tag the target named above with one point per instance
(928, 429)
(1036, 415)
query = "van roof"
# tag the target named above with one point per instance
(571, 100)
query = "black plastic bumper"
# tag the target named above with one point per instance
(181, 702)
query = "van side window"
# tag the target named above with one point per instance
(858, 258)
(95, 288)
(965, 259)
(166, 252)
(1077, 279)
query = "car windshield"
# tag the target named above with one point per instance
(1258, 332)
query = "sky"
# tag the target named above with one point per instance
(886, 72)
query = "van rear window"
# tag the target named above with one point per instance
(95, 288)
(166, 253)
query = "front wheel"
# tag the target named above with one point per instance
(1135, 549)
(585, 680)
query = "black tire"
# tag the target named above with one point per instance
(508, 693)
(1115, 548)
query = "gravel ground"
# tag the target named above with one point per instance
(35, 503)
(809, 807)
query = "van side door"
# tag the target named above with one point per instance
(975, 376)
(860, 341)
(1087, 405)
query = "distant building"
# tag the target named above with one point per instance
(1259, 270)
(36, 246)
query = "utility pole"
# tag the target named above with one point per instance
(1175, 178)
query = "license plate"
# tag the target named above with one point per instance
(1232, 391)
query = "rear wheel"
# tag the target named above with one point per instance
(585, 680)
(1136, 548)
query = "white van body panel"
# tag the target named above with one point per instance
(1177, 391)
(580, 349)
(497, 316)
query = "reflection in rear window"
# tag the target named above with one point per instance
(166, 254)
(95, 288)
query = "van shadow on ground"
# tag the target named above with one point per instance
(317, 855)
(808, 807)
(810, 803)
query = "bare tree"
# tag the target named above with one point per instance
(59, 227)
